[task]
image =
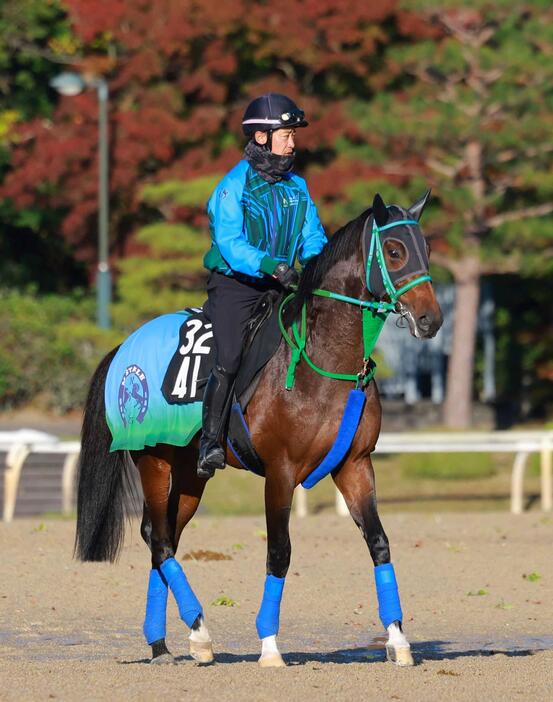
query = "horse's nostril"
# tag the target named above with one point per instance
(424, 322)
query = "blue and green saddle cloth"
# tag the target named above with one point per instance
(154, 386)
(154, 390)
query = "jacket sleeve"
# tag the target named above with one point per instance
(227, 228)
(312, 237)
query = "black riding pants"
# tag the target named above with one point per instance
(230, 302)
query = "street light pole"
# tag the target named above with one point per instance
(71, 84)
(103, 277)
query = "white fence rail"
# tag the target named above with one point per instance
(521, 443)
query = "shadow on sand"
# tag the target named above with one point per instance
(422, 651)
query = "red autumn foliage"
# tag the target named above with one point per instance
(180, 74)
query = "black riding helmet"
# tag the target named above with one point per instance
(272, 111)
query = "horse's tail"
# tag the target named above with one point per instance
(104, 480)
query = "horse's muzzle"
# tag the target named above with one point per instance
(428, 325)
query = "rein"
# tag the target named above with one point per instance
(374, 314)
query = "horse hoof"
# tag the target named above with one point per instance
(163, 659)
(400, 655)
(202, 651)
(272, 660)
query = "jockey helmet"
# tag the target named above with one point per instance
(272, 111)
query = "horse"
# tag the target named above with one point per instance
(292, 431)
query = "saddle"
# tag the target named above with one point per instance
(194, 357)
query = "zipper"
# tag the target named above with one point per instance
(273, 242)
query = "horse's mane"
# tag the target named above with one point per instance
(341, 246)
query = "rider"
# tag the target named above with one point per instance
(261, 217)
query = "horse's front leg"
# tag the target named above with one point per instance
(355, 480)
(279, 490)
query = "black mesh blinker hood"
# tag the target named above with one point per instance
(417, 262)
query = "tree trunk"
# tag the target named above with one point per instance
(458, 401)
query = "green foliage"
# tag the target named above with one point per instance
(172, 276)
(49, 347)
(485, 80)
(178, 193)
(524, 342)
(33, 34)
(455, 466)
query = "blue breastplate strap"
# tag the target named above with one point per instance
(348, 427)
(389, 607)
(187, 602)
(267, 620)
(156, 607)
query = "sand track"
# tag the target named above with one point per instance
(72, 631)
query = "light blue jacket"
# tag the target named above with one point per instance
(255, 225)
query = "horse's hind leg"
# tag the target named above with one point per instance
(190, 490)
(156, 603)
(355, 480)
(159, 531)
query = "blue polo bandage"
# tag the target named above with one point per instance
(346, 433)
(269, 612)
(389, 607)
(156, 607)
(187, 602)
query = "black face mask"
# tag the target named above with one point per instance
(410, 236)
(270, 166)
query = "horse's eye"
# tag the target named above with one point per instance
(394, 253)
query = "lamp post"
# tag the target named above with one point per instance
(71, 84)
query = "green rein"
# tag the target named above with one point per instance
(374, 315)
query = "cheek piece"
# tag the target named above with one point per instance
(156, 607)
(187, 602)
(389, 607)
(267, 620)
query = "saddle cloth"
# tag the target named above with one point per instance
(156, 380)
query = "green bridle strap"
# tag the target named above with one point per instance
(374, 315)
(372, 321)
(413, 283)
(369, 304)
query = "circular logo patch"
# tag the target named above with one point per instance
(133, 395)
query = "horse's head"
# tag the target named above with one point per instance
(396, 258)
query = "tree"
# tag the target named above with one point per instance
(35, 40)
(471, 116)
(171, 274)
(180, 75)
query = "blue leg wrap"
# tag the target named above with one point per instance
(187, 602)
(156, 607)
(389, 607)
(269, 612)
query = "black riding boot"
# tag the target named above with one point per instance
(216, 405)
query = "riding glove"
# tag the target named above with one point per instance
(286, 276)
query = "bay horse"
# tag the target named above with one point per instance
(292, 432)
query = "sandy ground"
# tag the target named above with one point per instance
(72, 631)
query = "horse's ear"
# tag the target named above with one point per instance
(380, 211)
(417, 209)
